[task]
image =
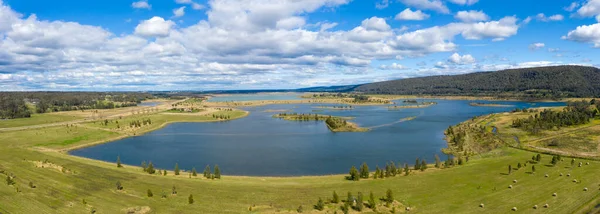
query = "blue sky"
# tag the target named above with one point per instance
(266, 44)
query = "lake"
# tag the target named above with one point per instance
(259, 145)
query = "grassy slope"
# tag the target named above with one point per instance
(37, 119)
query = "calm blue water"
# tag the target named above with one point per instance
(260, 145)
(252, 97)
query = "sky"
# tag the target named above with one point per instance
(150, 45)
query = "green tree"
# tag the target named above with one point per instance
(519, 166)
(300, 209)
(573, 162)
(376, 172)
(533, 168)
(423, 165)
(354, 176)
(320, 205)
(119, 186)
(406, 169)
(150, 193)
(217, 172)
(438, 163)
(191, 199)
(207, 171)
(119, 162)
(349, 199)
(144, 165)
(364, 171)
(176, 168)
(372, 203)
(194, 173)
(538, 158)
(150, 169)
(165, 172)
(336, 198)
(509, 169)
(389, 197)
(417, 164)
(554, 161)
(359, 202)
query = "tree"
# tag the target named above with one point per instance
(119, 186)
(533, 168)
(31, 185)
(320, 205)
(417, 164)
(119, 162)
(150, 168)
(349, 199)
(438, 163)
(10, 180)
(150, 193)
(573, 162)
(423, 165)
(207, 171)
(336, 198)
(538, 158)
(300, 209)
(144, 165)
(174, 190)
(509, 169)
(165, 172)
(519, 166)
(359, 202)
(194, 172)
(191, 199)
(554, 161)
(389, 197)
(354, 176)
(406, 170)
(176, 168)
(376, 174)
(217, 172)
(372, 203)
(364, 171)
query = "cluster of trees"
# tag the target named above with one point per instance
(138, 123)
(391, 169)
(523, 110)
(303, 117)
(356, 203)
(221, 116)
(523, 83)
(576, 113)
(149, 168)
(23, 104)
(335, 122)
(225, 109)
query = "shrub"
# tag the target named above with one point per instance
(191, 199)
(320, 205)
(150, 193)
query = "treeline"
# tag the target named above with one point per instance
(392, 169)
(23, 104)
(335, 122)
(576, 113)
(525, 83)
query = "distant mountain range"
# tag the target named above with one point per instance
(525, 83)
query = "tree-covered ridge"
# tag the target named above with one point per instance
(576, 113)
(23, 104)
(526, 83)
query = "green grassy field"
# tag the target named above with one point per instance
(37, 119)
(459, 189)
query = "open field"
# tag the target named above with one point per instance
(36, 119)
(69, 184)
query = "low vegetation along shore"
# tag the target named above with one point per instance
(489, 104)
(335, 124)
(528, 175)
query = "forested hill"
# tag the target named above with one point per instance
(526, 83)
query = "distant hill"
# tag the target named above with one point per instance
(526, 83)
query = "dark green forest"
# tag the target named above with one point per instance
(23, 104)
(525, 83)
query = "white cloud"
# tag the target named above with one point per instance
(461, 60)
(197, 6)
(572, 6)
(536, 46)
(590, 8)
(408, 14)
(435, 5)
(393, 66)
(326, 26)
(154, 27)
(291, 23)
(183, 1)
(464, 2)
(179, 12)
(598, 18)
(375, 23)
(542, 17)
(471, 16)
(527, 20)
(585, 34)
(194, 5)
(382, 4)
(141, 5)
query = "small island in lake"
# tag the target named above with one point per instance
(335, 107)
(415, 105)
(335, 124)
(489, 104)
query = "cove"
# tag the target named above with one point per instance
(260, 145)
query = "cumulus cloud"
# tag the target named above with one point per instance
(461, 60)
(154, 27)
(194, 5)
(572, 6)
(179, 12)
(393, 66)
(471, 16)
(585, 34)
(464, 2)
(589, 9)
(408, 14)
(435, 5)
(141, 5)
(382, 4)
(536, 46)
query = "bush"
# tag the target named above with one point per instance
(320, 205)
(150, 193)
(191, 199)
